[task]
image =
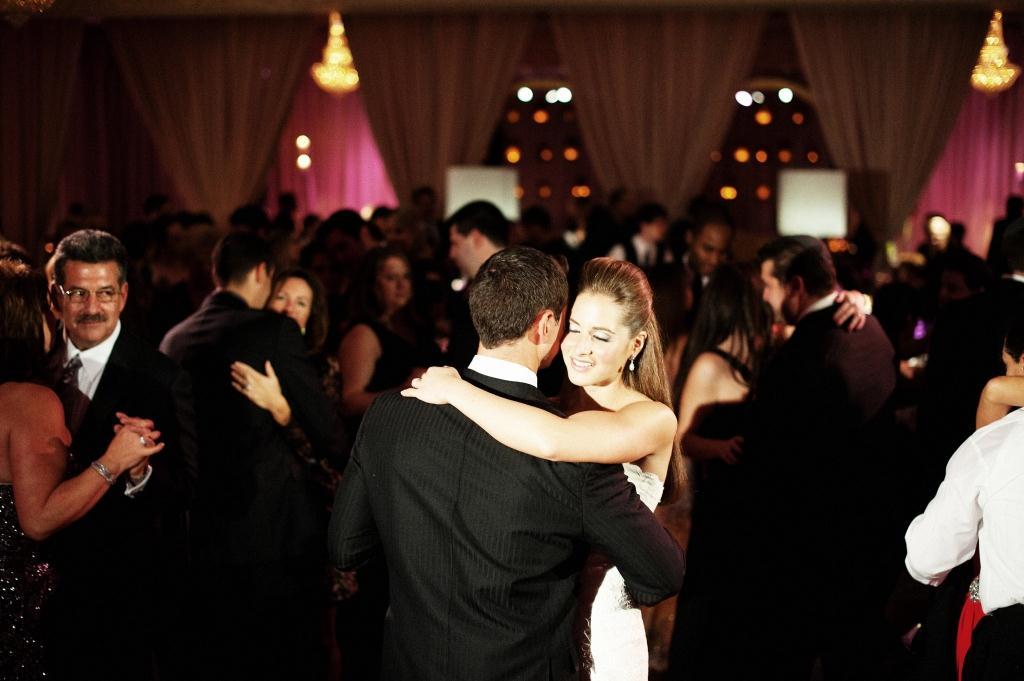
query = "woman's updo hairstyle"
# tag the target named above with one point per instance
(627, 285)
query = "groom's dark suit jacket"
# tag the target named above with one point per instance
(484, 544)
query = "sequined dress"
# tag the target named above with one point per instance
(26, 582)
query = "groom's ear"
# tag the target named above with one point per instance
(545, 327)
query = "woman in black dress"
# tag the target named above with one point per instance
(726, 347)
(386, 346)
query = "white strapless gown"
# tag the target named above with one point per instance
(614, 640)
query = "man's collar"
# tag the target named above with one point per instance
(227, 298)
(822, 303)
(99, 353)
(502, 369)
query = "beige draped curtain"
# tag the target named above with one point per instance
(888, 85)
(654, 92)
(38, 66)
(434, 87)
(214, 94)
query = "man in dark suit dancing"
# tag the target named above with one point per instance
(121, 566)
(256, 529)
(820, 481)
(484, 544)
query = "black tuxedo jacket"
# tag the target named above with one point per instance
(255, 502)
(484, 544)
(120, 566)
(133, 535)
(818, 456)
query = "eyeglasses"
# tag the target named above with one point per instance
(79, 296)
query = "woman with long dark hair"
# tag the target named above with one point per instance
(621, 412)
(35, 500)
(723, 355)
(386, 346)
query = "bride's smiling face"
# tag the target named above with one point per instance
(597, 344)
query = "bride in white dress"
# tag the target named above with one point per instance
(620, 412)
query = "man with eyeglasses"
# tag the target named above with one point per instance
(120, 566)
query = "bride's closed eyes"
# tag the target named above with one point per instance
(601, 335)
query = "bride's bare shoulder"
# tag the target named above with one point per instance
(640, 403)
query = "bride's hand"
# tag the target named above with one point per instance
(435, 386)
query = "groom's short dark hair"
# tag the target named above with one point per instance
(512, 287)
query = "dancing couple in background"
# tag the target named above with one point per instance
(485, 522)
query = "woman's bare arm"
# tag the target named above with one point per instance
(1000, 393)
(38, 455)
(360, 350)
(711, 380)
(629, 434)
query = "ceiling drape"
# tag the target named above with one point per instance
(38, 67)
(654, 92)
(434, 87)
(214, 94)
(888, 85)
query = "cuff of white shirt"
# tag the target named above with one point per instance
(133, 488)
(920, 577)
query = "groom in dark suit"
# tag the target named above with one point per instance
(484, 544)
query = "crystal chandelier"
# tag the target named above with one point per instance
(18, 12)
(994, 73)
(336, 74)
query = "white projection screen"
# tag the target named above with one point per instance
(812, 202)
(474, 183)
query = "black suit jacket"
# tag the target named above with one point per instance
(255, 502)
(819, 465)
(484, 544)
(133, 535)
(120, 566)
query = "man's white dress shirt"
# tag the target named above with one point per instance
(502, 369)
(980, 503)
(94, 361)
(646, 252)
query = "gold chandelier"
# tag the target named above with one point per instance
(336, 74)
(994, 73)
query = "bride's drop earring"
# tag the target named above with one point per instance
(632, 366)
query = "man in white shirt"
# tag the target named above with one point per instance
(477, 231)
(978, 507)
(647, 248)
(132, 542)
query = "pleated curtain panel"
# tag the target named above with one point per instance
(654, 92)
(435, 87)
(888, 85)
(38, 67)
(976, 172)
(214, 94)
(110, 164)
